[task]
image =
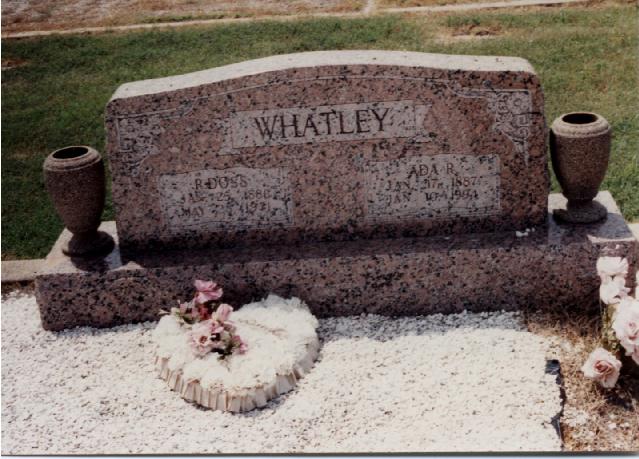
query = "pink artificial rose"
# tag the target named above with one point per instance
(184, 307)
(613, 290)
(188, 309)
(219, 344)
(216, 327)
(240, 344)
(207, 291)
(602, 367)
(608, 267)
(200, 338)
(626, 325)
(202, 312)
(223, 312)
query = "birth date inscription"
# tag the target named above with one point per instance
(236, 198)
(439, 186)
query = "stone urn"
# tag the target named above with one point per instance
(74, 178)
(580, 149)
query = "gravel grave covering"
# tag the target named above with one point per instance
(460, 382)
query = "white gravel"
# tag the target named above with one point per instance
(465, 382)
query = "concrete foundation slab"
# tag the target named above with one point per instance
(20, 270)
(548, 266)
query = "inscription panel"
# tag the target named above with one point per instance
(439, 186)
(295, 125)
(233, 198)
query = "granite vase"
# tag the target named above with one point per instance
(74, 179)
(580, 149)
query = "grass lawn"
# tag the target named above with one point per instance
(56, 93)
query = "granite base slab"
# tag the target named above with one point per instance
(553, 266)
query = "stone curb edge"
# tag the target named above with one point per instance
(20, 270)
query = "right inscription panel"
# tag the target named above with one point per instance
(437, 186)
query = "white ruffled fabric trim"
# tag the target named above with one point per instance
(282, 347)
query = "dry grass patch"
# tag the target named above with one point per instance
(27, 15)
(25, 288)
(595, 4)
(594, 419)
(9, 63)
(468, 32)
(415, 3)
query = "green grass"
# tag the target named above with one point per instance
(194, 17)
(586, 60)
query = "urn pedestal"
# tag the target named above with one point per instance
(74, 178)
(580, 149)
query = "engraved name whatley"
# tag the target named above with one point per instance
(313, 125)
(373, 120)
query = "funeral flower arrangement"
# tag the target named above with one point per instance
(620, 336)
(200, 354)
(208, 320)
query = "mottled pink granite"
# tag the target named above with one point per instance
(360, 181)
(553, 267)
(328, 146)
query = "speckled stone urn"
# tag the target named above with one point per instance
(580, 149)
(74, 178)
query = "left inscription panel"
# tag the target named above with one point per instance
(238, 198)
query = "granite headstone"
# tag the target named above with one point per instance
(360, 181)
(328, 146)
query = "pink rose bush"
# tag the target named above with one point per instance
(612, 272)
(611, 267)
(602, 367)
(208, 320)
(614, 290)
(626, 327)
(201, 338)
(621, 323)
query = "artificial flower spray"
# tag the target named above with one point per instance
(620, 334)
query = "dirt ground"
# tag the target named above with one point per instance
(593, 419)
(414, 3)
(24, 15)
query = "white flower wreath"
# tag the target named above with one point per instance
(282, 345)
